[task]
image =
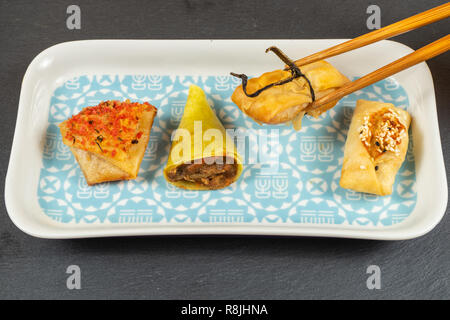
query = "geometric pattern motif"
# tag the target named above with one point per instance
(301, 187)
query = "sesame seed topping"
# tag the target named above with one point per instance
(382, 132)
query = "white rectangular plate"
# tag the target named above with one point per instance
(59, 65)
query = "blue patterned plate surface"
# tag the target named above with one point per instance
(304, 188)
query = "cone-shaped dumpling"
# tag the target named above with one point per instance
(203, 156)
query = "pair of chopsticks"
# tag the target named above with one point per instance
(429, 51)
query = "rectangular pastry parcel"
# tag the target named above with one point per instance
(377, 142)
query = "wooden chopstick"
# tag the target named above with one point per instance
(408, 24)
(429, 51)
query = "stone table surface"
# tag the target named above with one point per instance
(206, 267)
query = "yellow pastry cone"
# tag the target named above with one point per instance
(198, 143)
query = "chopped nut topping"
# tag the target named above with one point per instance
(382, 132)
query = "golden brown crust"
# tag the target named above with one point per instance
(280, 104)
(97, 170)
(360, 171)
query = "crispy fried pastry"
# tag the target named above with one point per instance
(109, 140)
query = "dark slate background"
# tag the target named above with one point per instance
(212, 267)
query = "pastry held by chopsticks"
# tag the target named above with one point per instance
(282, 96)
(203, 156)
(427, 52)
(109, 140)
(278, 107)
(376, 146)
